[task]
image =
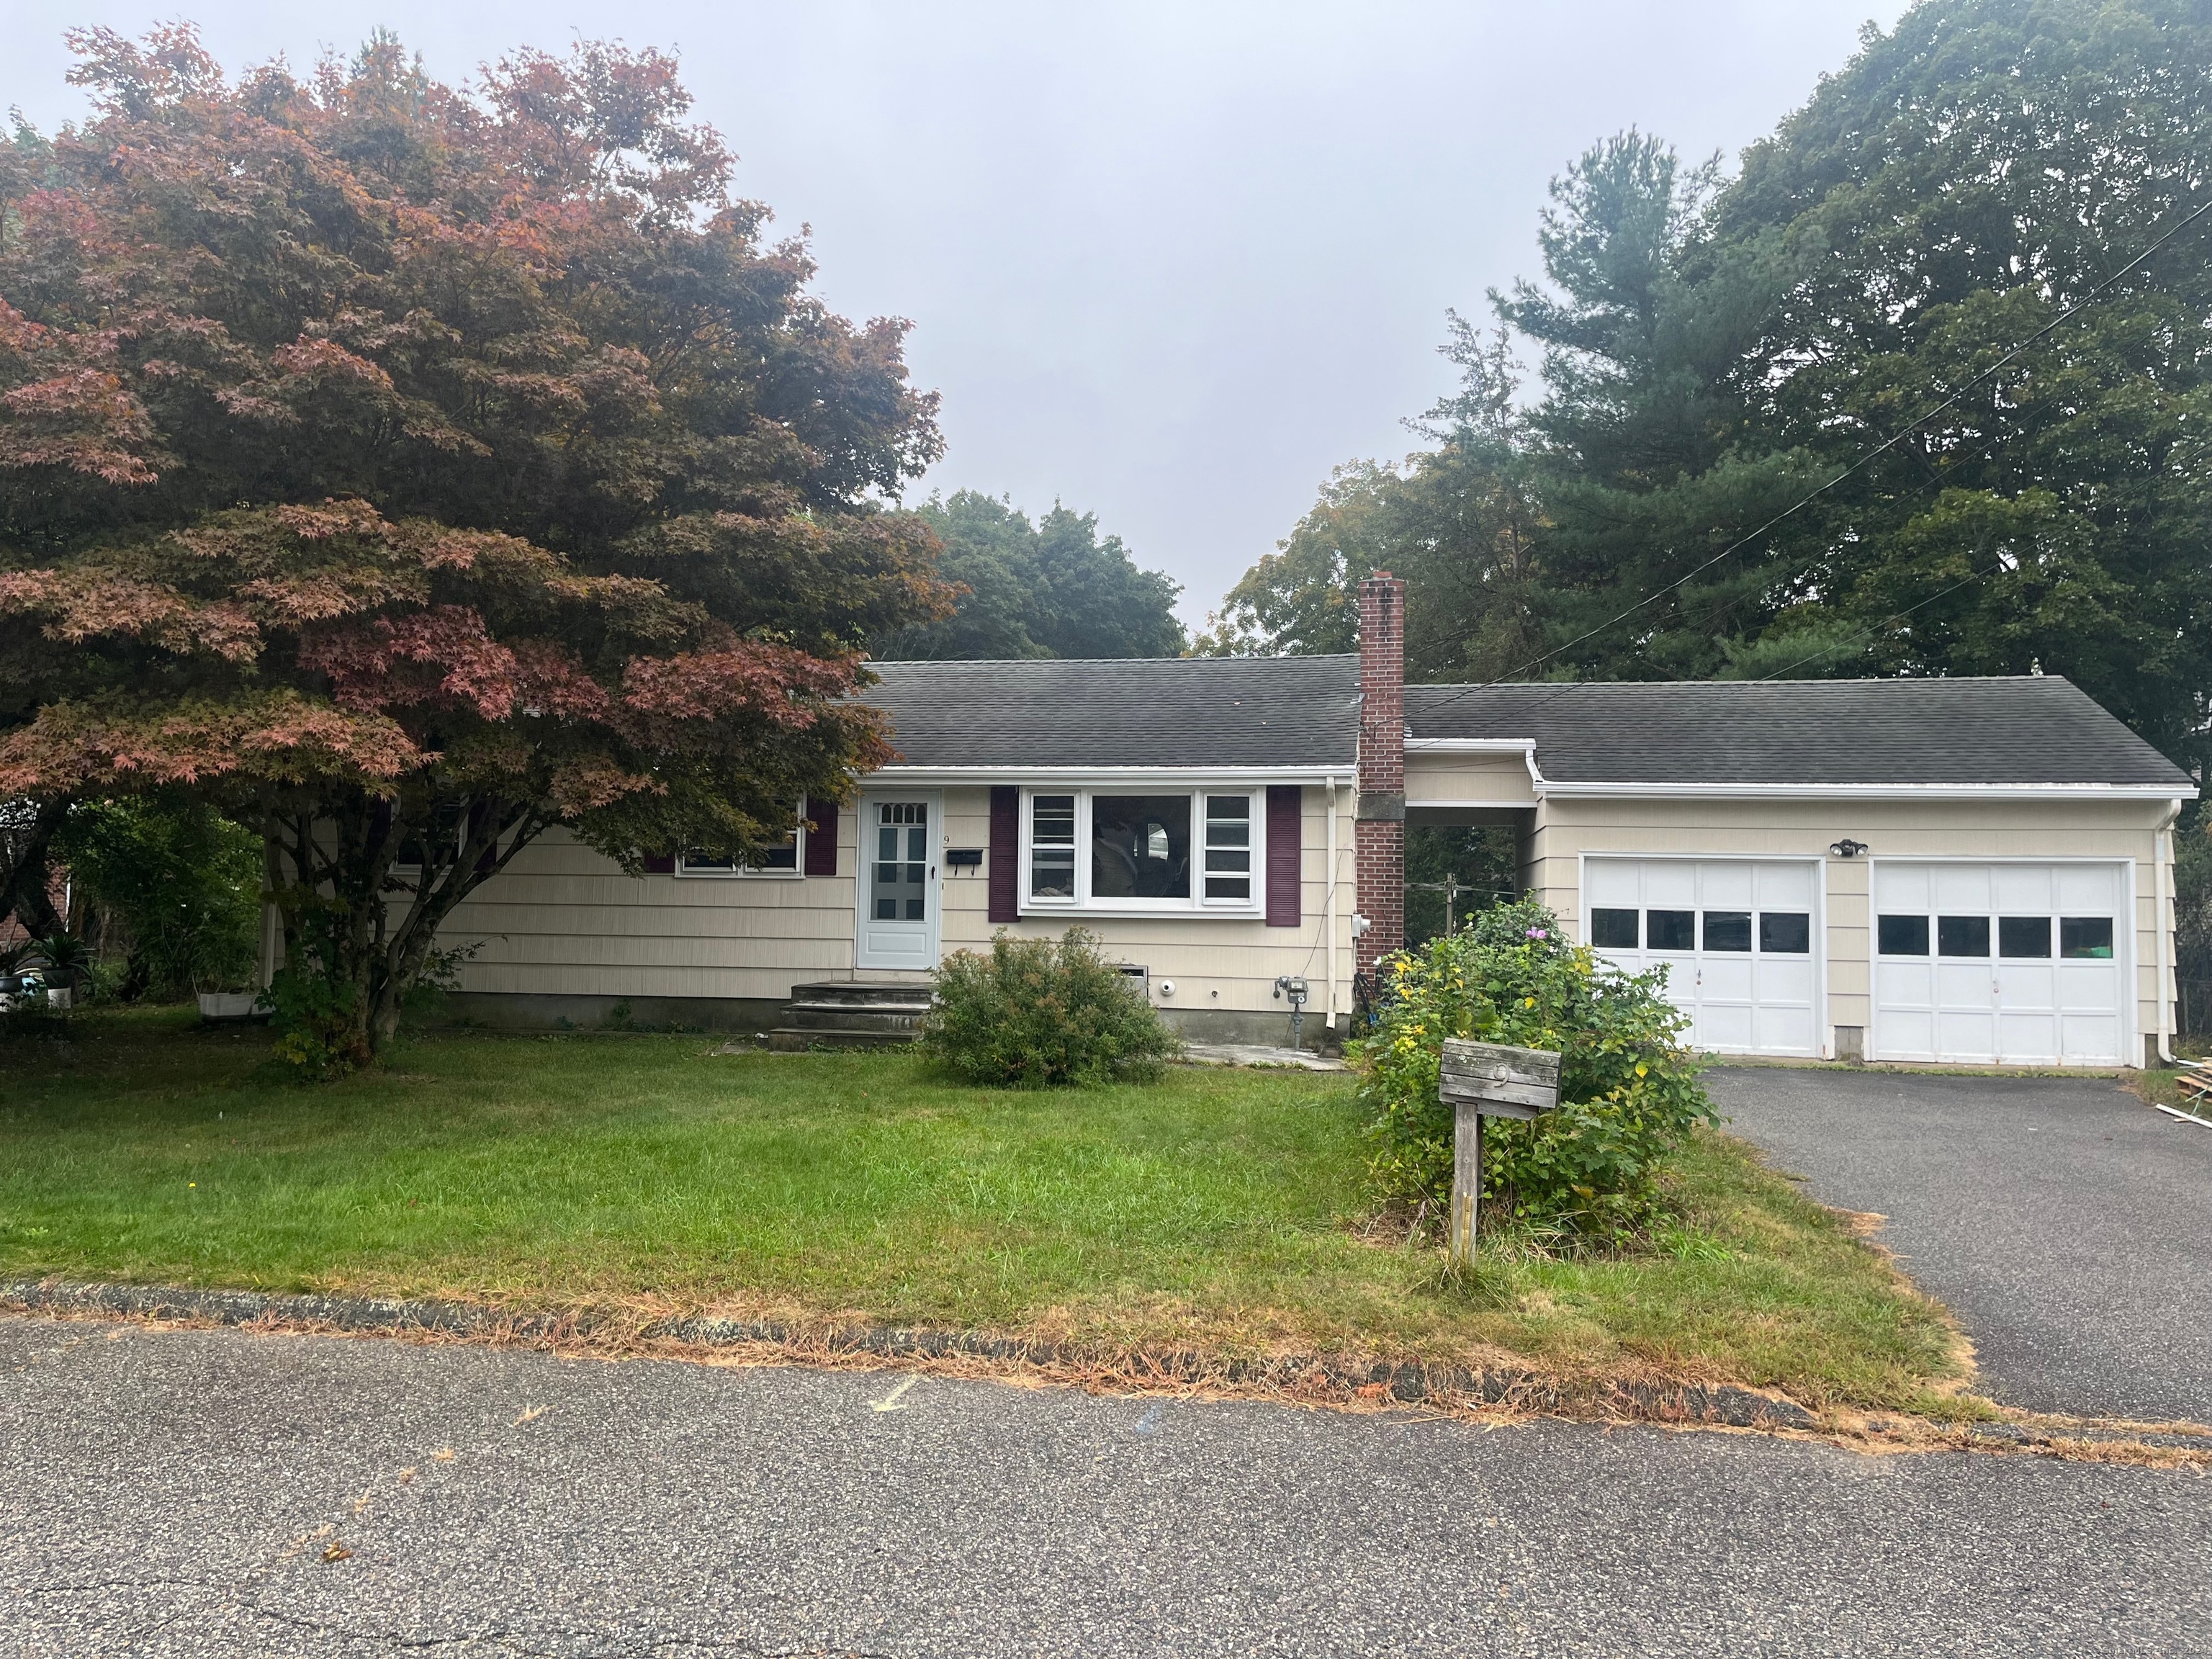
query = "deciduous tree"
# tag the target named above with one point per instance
(410, 471)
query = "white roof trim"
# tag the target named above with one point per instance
(1877, 790)
(1088, 775)
(1467, 746)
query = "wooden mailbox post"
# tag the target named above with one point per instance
(1479, 1080)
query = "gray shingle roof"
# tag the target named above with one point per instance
(2026, 730)
(1174, 711)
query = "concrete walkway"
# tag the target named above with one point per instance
(2067, 1224)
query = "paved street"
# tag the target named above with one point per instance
(2062, 1220)
(176, 1493)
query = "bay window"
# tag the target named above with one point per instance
(1158, 852)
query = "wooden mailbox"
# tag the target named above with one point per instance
(1479, 1080)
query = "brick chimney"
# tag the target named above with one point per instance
(1379, 833)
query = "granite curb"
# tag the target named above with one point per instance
(1406, 1382)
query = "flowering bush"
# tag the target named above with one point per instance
(1040, 1011)
(1628, 1090)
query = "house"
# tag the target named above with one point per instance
(1967, 870)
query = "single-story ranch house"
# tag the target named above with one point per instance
(1970, 871)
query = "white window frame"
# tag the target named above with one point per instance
(1196, 905)
(752, 872)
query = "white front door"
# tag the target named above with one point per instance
(1740, 939)
(898, 881)
(1999, 964)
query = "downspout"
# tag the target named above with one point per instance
(2162, 847)
(1328, 908)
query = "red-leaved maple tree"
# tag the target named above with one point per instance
(410, 470)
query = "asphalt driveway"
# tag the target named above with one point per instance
(2065, 1223)
(182, 1492)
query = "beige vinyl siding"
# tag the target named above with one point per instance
(1569, 829)
(564, 920)
(1215, 962)
(1490, 780)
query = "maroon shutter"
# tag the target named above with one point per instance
(660, 863)
(1286, 830)
(1006, 854)
(822, 838)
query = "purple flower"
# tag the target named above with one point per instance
(1538, 932)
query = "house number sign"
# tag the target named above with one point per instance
(1478, 1080)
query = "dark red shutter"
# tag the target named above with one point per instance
(1006, 854)
(659, 864)
(822, 838)
(487, 861)
(1285, 831)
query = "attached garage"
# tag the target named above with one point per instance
(1927, 872)
(1998, 963)
(1740, 940)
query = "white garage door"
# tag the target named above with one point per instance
(2000, 963)
(1740, 942)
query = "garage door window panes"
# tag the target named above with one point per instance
(1980, 964)
(1902, 936)
(1785, 933)
(1734, 937)
(1962, 936)
(1615, 930)
(2085, 939)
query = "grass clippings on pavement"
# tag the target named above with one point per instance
(1218, 1213)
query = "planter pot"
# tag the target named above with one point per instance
(57, 997)
(229, 1005)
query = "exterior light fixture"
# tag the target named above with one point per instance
(1848, 848)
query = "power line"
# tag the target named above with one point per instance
(1511, 676)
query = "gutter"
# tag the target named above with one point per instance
(2161, 848)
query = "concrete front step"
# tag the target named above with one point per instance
(798, 1039)
(856, 1017)
(861, 993)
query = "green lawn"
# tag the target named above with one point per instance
(1219, 1209)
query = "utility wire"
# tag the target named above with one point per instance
(1858, 466)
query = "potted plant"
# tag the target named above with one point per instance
(65, 959)
(223, 981)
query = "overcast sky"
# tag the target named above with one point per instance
(1168, 263)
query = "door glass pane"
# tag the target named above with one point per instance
(1229, 846)
(1052, 847)
(1903, 936)
(2085, 937)
(1140, 846)
(1613, 929)
(898, 887)
(1728, 930)
(1785, 933)
(2024, 936)
(1962, 936)
(1670, 930)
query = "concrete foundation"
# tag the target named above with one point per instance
(517, 1011)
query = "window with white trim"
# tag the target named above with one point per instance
(785, 859)
(1134, 851)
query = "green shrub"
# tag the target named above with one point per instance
(185, 882)
(1628, 1089)
(1037, 1013)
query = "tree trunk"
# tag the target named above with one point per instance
(336, 905)
(28, 894)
